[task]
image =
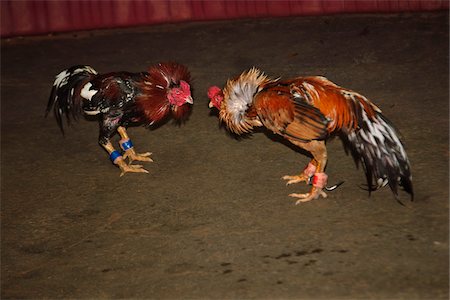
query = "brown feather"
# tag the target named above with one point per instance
(331, 100)
(280, 113)
(155, 85)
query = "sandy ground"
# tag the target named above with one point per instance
(213, 219)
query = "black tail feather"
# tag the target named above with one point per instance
(376, 145)
(65, 96)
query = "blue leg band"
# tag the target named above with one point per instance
(114, 155)
(127, 145)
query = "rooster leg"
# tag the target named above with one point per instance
(108, 127)
(307, 172)
(319, 152)
(117, 159)
(127, 146)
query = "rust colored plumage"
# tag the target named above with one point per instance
(308, 110)
(342, 107)
(289, 117)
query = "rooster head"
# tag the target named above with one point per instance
(215, 95)
(181, 94)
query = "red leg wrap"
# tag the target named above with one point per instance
(320, 180)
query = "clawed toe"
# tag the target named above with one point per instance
(128, 168)
(314, 194)
(294, 179)
(132, 156)
(132, 169)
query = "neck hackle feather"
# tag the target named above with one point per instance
(238, 98)
(157, 82)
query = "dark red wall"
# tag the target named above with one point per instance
(39, 17)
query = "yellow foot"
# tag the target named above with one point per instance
(130, 168)
(132, 155)
(133, 169)
(295, 178)
(314, 194)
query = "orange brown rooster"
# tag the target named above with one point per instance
(122, 99)
(307, 111)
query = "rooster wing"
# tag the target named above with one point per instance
(110, 92)
(290, 116)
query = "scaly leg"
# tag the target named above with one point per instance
(319, 152)
(117, 159)
(127, 146)
(307, 173)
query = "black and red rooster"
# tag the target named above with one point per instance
(121, 99)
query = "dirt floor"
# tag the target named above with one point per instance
(213, 219)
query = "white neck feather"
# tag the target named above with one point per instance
(238, 98)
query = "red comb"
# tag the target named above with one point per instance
(213, 91)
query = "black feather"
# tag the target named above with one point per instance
(376, 145)
(65, 96)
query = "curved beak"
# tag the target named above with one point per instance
(211, 105)
(190, 100)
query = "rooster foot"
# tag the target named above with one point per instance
(132, 155)
(130, 168)
(295, 178)
(307, 173)
(314, 194)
